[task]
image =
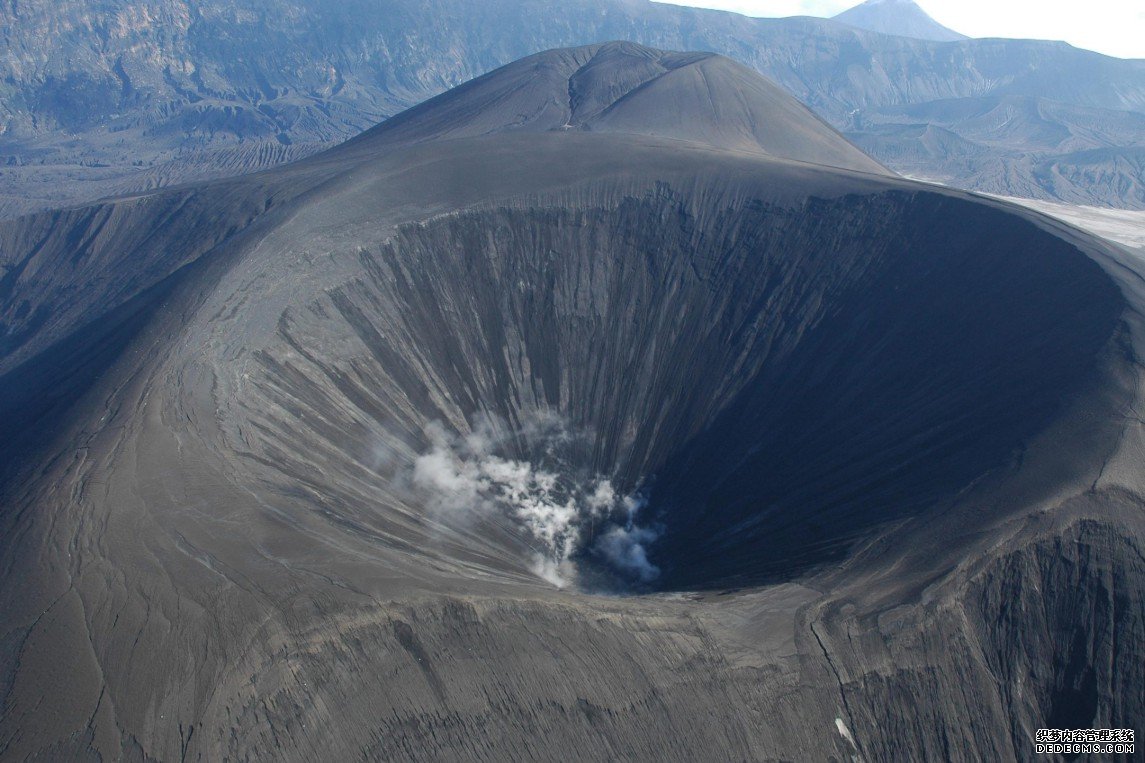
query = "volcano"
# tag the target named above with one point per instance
(609, 405)
(903, 18)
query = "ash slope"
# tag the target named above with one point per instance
(915, 405)
(629, 89)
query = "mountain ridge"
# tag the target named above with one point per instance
(233, 87)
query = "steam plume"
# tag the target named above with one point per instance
(560, 511)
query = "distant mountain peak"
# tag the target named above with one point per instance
(903, 18)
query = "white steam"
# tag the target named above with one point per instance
(625, 549)
(562, 515)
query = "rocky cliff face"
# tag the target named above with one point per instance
(1013, 145)
(114, 96)
(554, 443)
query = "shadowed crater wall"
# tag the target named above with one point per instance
(779, 379)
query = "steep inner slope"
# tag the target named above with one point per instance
(778, 379)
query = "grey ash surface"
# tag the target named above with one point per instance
(892, 432)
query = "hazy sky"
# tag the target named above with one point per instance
(1114, 27)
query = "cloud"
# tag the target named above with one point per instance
(771, 8)
(1112, 27)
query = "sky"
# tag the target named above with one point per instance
(1113, 27)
